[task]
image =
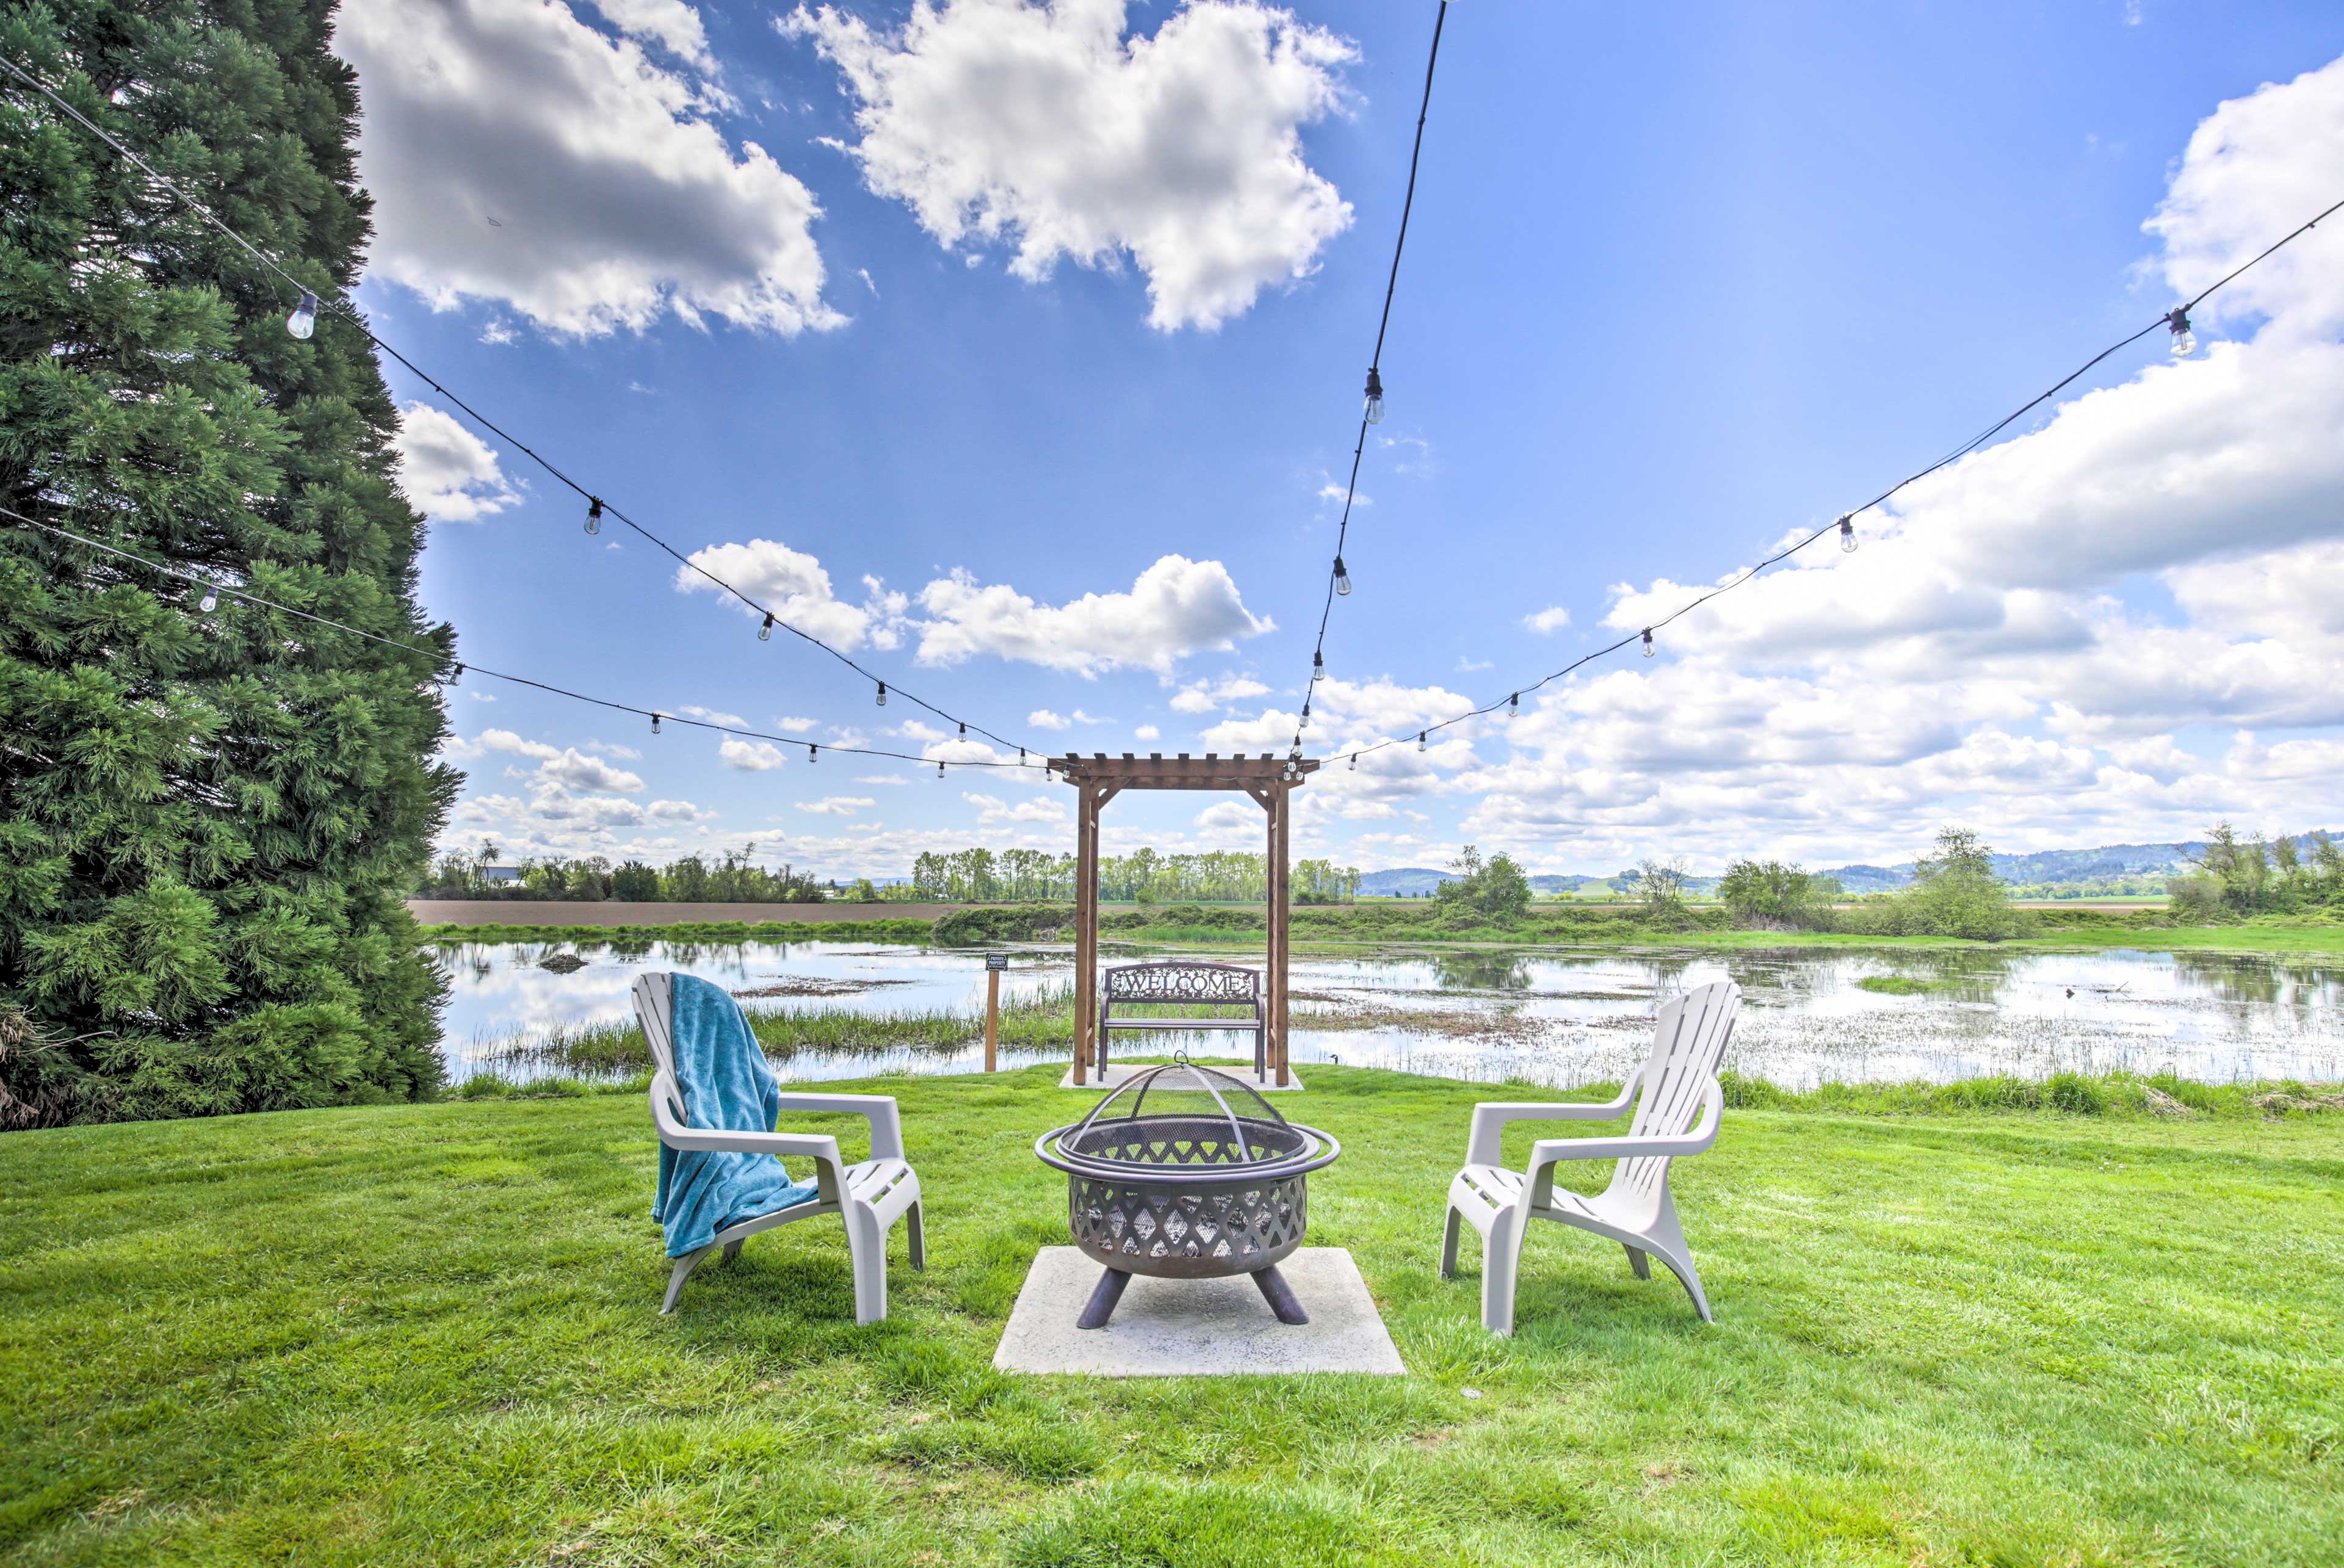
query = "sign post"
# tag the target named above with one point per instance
(994, 963)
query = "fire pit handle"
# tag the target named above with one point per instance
(1203, 1077)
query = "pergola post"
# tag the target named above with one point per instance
(1097, 779)
(1278, 946)
(1087, 904)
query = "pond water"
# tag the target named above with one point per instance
(1558, 1018)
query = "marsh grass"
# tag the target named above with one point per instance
(409, 1335)
(1043, 1021)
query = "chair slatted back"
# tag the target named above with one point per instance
(1689, 1038)
(655, 1011)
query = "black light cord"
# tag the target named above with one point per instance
(438, 655)
(600, 505)
(1840, 523)
(1375, 370)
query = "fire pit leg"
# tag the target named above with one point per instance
(1109, 1291)
(1280, 1296)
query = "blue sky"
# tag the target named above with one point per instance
(1052, 323)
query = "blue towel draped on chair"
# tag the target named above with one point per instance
(726, 1084)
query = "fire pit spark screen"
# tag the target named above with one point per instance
(1186, 1173)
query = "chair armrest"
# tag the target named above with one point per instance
(1490, 1117)
(830, 1167)
(1549, 1150)
(879, 1110)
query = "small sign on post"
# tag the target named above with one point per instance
(994, 963)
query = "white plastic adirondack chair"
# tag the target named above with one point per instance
(872, 1194)
(1677, 1113)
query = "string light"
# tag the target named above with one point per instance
(1372, 411)
(302, 322)
(964, 729)
(813, 754)
(1846, 523)
(940, 770)
(457, 678)
(765, 632)
(1847, 536)
(1420, 740)
(1318, 667)
(2185, 341)
(882, 693)
(1306, 717)
(435, 654)
(655, 719)
(210, 602)
(1355, 763)
(1513, 707)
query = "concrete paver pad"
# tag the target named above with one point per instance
(1197, 1328)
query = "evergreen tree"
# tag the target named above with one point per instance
(206, 819)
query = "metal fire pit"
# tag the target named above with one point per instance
(1210, 1182)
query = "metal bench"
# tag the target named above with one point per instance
(1221, 985)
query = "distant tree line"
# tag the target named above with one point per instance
(732, 879)
(1143, 876)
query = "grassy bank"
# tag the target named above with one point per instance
(426, 1334)
(1365, 927)
(642, 936)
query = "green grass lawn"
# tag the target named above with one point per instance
(426, 1334)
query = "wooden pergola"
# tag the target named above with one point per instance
(1098, 779)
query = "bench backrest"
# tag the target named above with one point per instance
(1228, 983)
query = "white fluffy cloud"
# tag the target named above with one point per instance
(1044, 127)
(671, 24)
(518, 155)
(1548, 621)
(753, 756)
(794, 587)
(1175, 608)
(992, 810)
(450, 473)
(837, 804)
(1044, 719)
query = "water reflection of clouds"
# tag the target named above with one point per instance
(1562, 1017)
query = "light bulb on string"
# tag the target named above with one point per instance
(1649, 649)
(304, 319)
(940, 770)
(882, 693)
(1374, 411)
(813, 754)
(1306, 717)
(1318, 666)
(1342, 578)
(1353, 765)
(964, 727)
(210, 600)
(593, 514)
(1420, 740)
(1513, 707)
(765, 632)
(457, 678)
(2185, 341)
(1847, 535)
(655, 718)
